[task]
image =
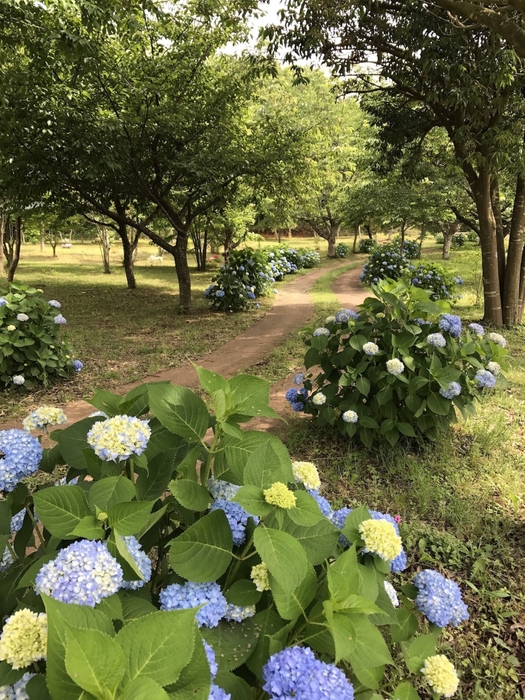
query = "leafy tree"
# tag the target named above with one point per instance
(436, 75)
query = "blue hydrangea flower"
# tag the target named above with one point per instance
(399, 564)
(324, 505)
(338, 517)
(451, 323)
(297, 406)
(77, 365)
(485, 379)
(437, 340)
(5, 563)
(345, 315)
(458, 280)
(299, 378)
(296, 673)
(439, 599)
(237, 518)
(3, 301)
(477, 329)
(292, 395)
(59, 320)
(117, 438)
(322, 331)
(17, 691)
(251, 295)
(454, 389)
(54, 303)
(83, 573)
(17, 521)
(142, 561)
(190, 595)
(222, 489)
(303, 392)
(22, 454)
(210, 655)
(238, 613)
(219, 293)
(421, 322)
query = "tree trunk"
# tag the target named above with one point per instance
(493, 312)
(183, 272)
(332, 237)
(368, 229)
(14, 257)
(105, 246)
(500, 236)
(512, 308)
(129, 250)
(2, 237)
(422, 235)
(448, 234)
(289, 232)
(42, 238)
(53, 242)
(403, 229)
(357, 233)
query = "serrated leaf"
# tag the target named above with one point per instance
(143, 687)
(318, 541)
(61, 509)
(89, 528)
(190, 494)
(179, 410)
(416, 651)
(292, 604)
(370, 648)
(405, 691)
(243, 592)
(211, 382)
(233, 642)
(251, 498)
(108, 492)
(129, 518)
(94, 661)
(195, 679)
(282, 554)
(264, 468)
(407, 625)
(306, 511)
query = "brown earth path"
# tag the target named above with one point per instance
(292, 309)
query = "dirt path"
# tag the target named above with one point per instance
(291, 310)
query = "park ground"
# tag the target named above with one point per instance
(462, 502)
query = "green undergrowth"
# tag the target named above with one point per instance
(462, 504)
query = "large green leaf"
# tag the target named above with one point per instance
(61, 509)
(212, 382)
(237, 450)
(251, 498)
(405, 691)
(94, 661)
(264, 468)
(233, 642)
(307, 511)
(179, 410)
(72, 441)
(195, 679)
(129, 518)
(282, 554)
(251, 396)
(343, 632)
(108, 492)
(318, 541)
(5, 518)
(204, 551)
(370, 647)
(416, 651)
(291, 604)
(149, 644)
(153, 483)
(190, 494)
(235, 686)
(142, 688)
(267, 623)
(407, 625)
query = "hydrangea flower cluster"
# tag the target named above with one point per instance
(59, 320)
(451, 324)
(190, 595)
(17, 691)
(77, 365)
(439, 599)
(319, 399)
(395, 367)
(391, 592)
(222, 489)
(237, 518)
(83, 573)
(437, 340)
(43, 417)
(477, 329)
(54, 303)
(494, 368)
(116, 439)
(380, 538)
(18, 379)
(497, 339)
(296, 398)
(306, 473)
(322, 331)
(259, 575)
(24, 638)
(142, 561)
(17, 521)
(324, 505)
(280, 495)
(298, 379)
(440, 675)
(296, 673)
(22, 454)
(350, 416)
(238, 613)
(453, 389)
(218, 693)
(22, 317)
(345, 315)
(485, 379)
(370, 349)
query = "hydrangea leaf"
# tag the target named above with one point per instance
(235, 686)
(369, 677)
(342, 630)
(61, 509)
(232, 642)
(211, 382)
(72, 441)
(5, 517)
(179, 410)
(292, 604)
(89, 528)
(307, 511)
(117, 548)
(282, 554)
(406, 691)
(264, 468)
(352, 522)
(318, 541)
(8, 675)
(194, 682)
(94, 661)
(370, 647)
(37, 689)
(243, 592)
(190, 494)
(143, 687)
(134, 606)
(251, 498)
(109, 491)
(267, 623)
(149, 642)
(204, 551)
(129, 518)
(251, 396)
(416, 651)
(407, 625)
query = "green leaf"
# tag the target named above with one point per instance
(406, 429)
(343, 632)
(204, 551)
(235, 686)
(238, 450)
(352, 522)
(152, 484)
(129, 518)
(233, 642)
(211, 382)
(61, 509)
(108, 492)
(134, 606)
(195, 679)
(419, 649)
(437, 404)
(149, 642)
(363, 385)
(405, 691)
(243, 592)
(5, 517)
(407, 625)
(369, 677)
(8, 675)
(190, 494)
(72, 441)
(370, 647)
(251, 396)
(416, 383)
(307, 511)
(37, 689)
(179, 410)
(89, 528)
(143, 687)
(292, 604)
(282, 554)
(94, 661)
(267, 623)
(264, 468)
(118, 549)
(318, 541)
(111, 607)
(251, 498)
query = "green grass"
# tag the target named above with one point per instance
(462, 502)
(121, 335)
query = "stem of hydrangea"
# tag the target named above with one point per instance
(205, 472)
(36, 528)
(130, 471)
(233, 570)
(11, 550)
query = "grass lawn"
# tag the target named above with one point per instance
(462, 503)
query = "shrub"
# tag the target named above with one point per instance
(367, 245)
(435, 279)
(440, 238)
(472, 237)
(383, 263)
(402, 367)
(410, 248)
(342, 250)
(237, 285)
(458, 240)
(310, 258)
(279, 264)
(179, 561)
(33, 350)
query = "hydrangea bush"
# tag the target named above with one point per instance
(184, 557)
(435, 279)
(401, 367)
(342, 250)
(367, 245)
(384, 263)
(33, 350)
